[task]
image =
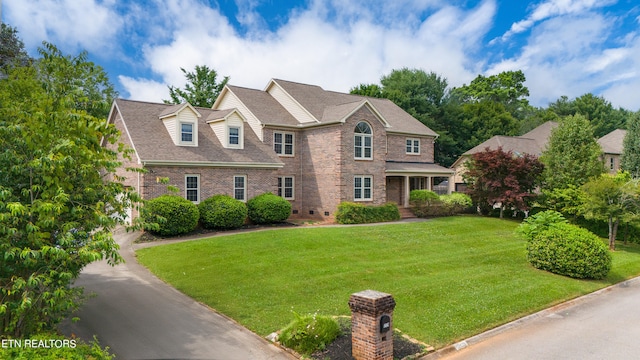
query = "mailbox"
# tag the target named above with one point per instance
(385, 323)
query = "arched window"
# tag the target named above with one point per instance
(363, 141)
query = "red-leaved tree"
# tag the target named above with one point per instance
(504, 178)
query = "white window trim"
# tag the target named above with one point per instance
(362, 177)
(194, 133)
(362, 146)
(413, 140)
(244, 189)
(283, 144)
(282, 188)
(197, 176)
(240, 144)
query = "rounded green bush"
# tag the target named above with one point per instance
(569, 250)
(457, 202)
(268, 208)
(175, 215)
(222, 212)
(538, 223)
(309, 333)
(423, 195)
(354, 213)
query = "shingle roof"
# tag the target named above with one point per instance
(153, 143)
(330, 106)
(612, 143)
(263, 106)
(417, 168)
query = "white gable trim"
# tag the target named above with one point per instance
(180, 109)
(373, 110)
(273, 83)
(116, 109)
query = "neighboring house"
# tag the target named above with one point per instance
(532, 143)
(612, 145)
(313, 147)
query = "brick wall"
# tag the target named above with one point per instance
(398, 149)
(213, 181)
(367, 341)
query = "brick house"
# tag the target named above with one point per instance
(315, 148)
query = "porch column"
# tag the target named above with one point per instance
(406, 191)
(429, 185)
(452, 184)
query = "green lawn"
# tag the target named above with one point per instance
(451, 277)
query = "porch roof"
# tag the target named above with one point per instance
(417, 169)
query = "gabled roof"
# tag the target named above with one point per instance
(330, 106)
(532, 143)
(612, 143)
(172, 110)
(153, 145)
(263, 106)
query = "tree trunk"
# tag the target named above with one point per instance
(501, 212)
(613, 229)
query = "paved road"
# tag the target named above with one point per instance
(603, 325)
(140, 317)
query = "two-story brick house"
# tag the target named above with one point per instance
(315, 148)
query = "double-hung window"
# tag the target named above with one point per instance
(363, 142)
(362, 188)
(192, 187)
(234, 136)
(186, 133)
(240, 187)
(285, 187)
(413, 146)
(283, 143)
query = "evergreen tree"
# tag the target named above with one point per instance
(630, 161)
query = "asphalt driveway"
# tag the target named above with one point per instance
(601, 325)
(140, 317)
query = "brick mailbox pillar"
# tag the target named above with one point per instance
(372, 325)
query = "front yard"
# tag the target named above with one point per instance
(451, 277)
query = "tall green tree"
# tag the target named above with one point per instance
(630, 160)
(573, 156)
(202, 88)
(12, 49)
(59, 196)
(506, 88)
(600, 113)
(76, 79)
(611, 198)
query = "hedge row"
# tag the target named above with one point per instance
(171, 215)
(353, 213)
(426, 203)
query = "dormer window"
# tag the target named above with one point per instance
(186, 133)
(234, 136)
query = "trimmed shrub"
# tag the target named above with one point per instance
(222, 212)
(457, 203)
(174, 215)
(569, 250)
(354, 213)
(536, 224)
(307, 334)
(268, 208)
(425, 203)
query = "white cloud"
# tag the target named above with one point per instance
(553, 8)
(78, 24)
(334, 47)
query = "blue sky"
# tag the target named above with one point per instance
(564, 47)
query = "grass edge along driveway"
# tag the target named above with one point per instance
(451, 277)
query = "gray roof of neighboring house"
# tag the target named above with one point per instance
(330, 106)
(612, 143)
(153, 143)
(533, 142)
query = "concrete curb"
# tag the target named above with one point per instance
(448, 350)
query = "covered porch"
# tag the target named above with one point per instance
(403, 177)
